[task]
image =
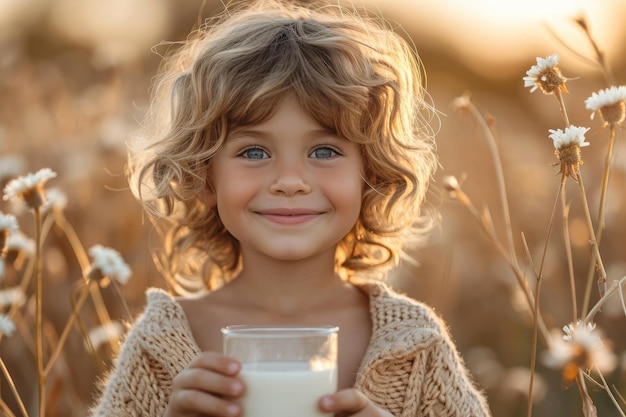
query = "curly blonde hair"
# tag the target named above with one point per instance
(350, 72)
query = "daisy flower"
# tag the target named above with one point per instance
(107, 262)
(12, 296)
(463, 103)
(567, 144)
(609, 103)
(8, 225)
(30, 187)
(580, 345)
(7, 327)
(560, 352)
(451, 185)
(55, 200)
(20, 243)
(545, 76)
(589, 341)
(105, 333)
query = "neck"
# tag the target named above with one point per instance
(290, 287)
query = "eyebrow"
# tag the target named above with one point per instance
(263, 134)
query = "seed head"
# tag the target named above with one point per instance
(580, 345)
(108, 262)
(546, 76)
(30, 187)
(609, 103)
(567, 146)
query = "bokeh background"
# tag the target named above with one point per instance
(74, 79)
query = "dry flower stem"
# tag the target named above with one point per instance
(601, 212)
(610, 393)
(493, 148)
(14, 390)
(83, 260)
(593, 241)
(568, 248)
(68, 326)
(589, 410)
(536, 312)
(600, 57)
(5, 408)
(616, 286)
(463, 198)
(559, 98)
(41, 377)
(533, 354)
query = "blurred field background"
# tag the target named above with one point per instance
(74, 78)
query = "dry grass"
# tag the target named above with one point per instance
(63, 110)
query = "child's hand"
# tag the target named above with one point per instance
(350, 402)
(206, 388)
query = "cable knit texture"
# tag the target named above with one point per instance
(411, 367)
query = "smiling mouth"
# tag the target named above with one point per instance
(289, 218)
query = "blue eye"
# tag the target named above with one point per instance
(323, 152)
(254, 153)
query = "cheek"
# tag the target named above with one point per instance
(234, 192)
(347, 192)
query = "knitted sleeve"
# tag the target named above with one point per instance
(155, 350)
(447, 390)
(411, 367)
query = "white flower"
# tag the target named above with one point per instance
(106, 333)
(8, 223)
(19, 242)
(7, 327)
(579, 346)
(451, 185)
(535, 71)
(462, 102)
(545, 75)
(8, 226)
(606, 97)
(109, 262)
(29, 187)
(560, 352)
(55, 199)
(609, 103)
(581, 333)
(572, 135)
(586, 338)
(12, 296)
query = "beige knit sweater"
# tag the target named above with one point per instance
(411, 367)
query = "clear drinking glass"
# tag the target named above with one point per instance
(286, 369)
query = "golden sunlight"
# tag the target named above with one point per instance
(492, 36)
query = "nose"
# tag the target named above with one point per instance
(290, 180)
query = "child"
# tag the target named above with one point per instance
(287, 156)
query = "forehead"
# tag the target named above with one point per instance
(286, 114)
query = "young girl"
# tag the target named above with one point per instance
(286, 154)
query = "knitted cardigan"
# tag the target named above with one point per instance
(411, 367)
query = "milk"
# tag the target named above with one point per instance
(285, 389)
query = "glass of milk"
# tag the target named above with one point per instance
(286, 369)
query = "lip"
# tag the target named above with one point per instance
(286, 216)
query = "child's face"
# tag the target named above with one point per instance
(287, 188)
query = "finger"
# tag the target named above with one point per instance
(348, 400)
(217, 363)
(193, 402)
(205, 380)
